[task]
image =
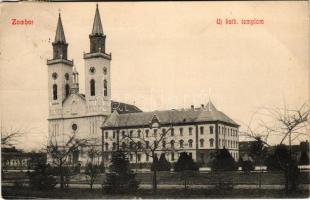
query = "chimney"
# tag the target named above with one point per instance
(192, 107)
(202, 106)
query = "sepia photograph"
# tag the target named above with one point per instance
(154, 100)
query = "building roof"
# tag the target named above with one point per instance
(60, 34)
(97, 26)
(167, 117)
(122, 108)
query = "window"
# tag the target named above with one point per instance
(202, 142)
(105, 71)
(190, 143)
(123, 134)
(181, 131)
(139, 157)
(164, 131)
(130, 133)
(114, 146)
(123, 145)
(147, 144)
(155, 144)
(181, 143)
(219, 128)
(190, 130)
(106, 146)
(105, 88)
(139, 145)
(147, 157)
(139, 132)
(147, 133)
(66, 76)
(211, 142)
(223, 143)
(67, 90)
(131, 145)
(74, 127)
(92, 87)
(219, 142)
(211, 129)
(172, 144)
(106, 135)
(164, 144)
(155, 132)
(54, 75)
(172, 131)
(131, 157)
(172, 156)
(113, 134)
(55, 92)
(201, 130)
(92, 70)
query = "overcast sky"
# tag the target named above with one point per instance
(164, 56)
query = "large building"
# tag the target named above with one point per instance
(196, 131)
(145, 135)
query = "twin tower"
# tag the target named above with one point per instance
(70, 110)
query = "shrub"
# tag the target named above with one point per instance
(41, 179)
(223, 161)
(163, 163)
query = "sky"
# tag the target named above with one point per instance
(165, 55)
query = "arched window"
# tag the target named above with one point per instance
(211, 142)
(164, 144)
(181, 143)
(172, 131)
(67, 89)
(131, 145)
(211, 129)
(219, 142)
(105, 88)
(139, 145)
(190, 143)
(172, 144)
(92, 87)
(114, 146)
(123, 145)
(202, 142)
(55, 92)
(106, 146)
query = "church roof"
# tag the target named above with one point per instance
(60, 34)
(97, 26)
(167, 117)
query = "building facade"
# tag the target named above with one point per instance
(69, 110)
(199, 132)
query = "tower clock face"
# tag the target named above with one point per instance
(54, 75)
(92, 70)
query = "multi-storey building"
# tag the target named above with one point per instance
(146, 134)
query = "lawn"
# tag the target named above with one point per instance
(83, 193)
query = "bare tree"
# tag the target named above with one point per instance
(10, 135)
(92, 169)
(148, 142)
(60, 151)
(286, 124)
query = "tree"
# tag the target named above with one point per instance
(163, 163)
(186, 165)
(246, 164)
(121, 179)
(59, 153)
(223, 161)
(304, 158)
(93, 167)
(10, 135)
(287, 125)
(41, 178)
(148, 143)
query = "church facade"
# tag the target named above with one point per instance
(116, 125)
(69, 110)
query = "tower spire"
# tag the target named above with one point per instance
(60, 46)
(97, 37)
(97, 26)
(60, 34)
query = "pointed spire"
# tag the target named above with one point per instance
(60, 34)
(97, 26)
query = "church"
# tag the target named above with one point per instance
(117, 125)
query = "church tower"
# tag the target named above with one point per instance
(59, 73)
(97, 72)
